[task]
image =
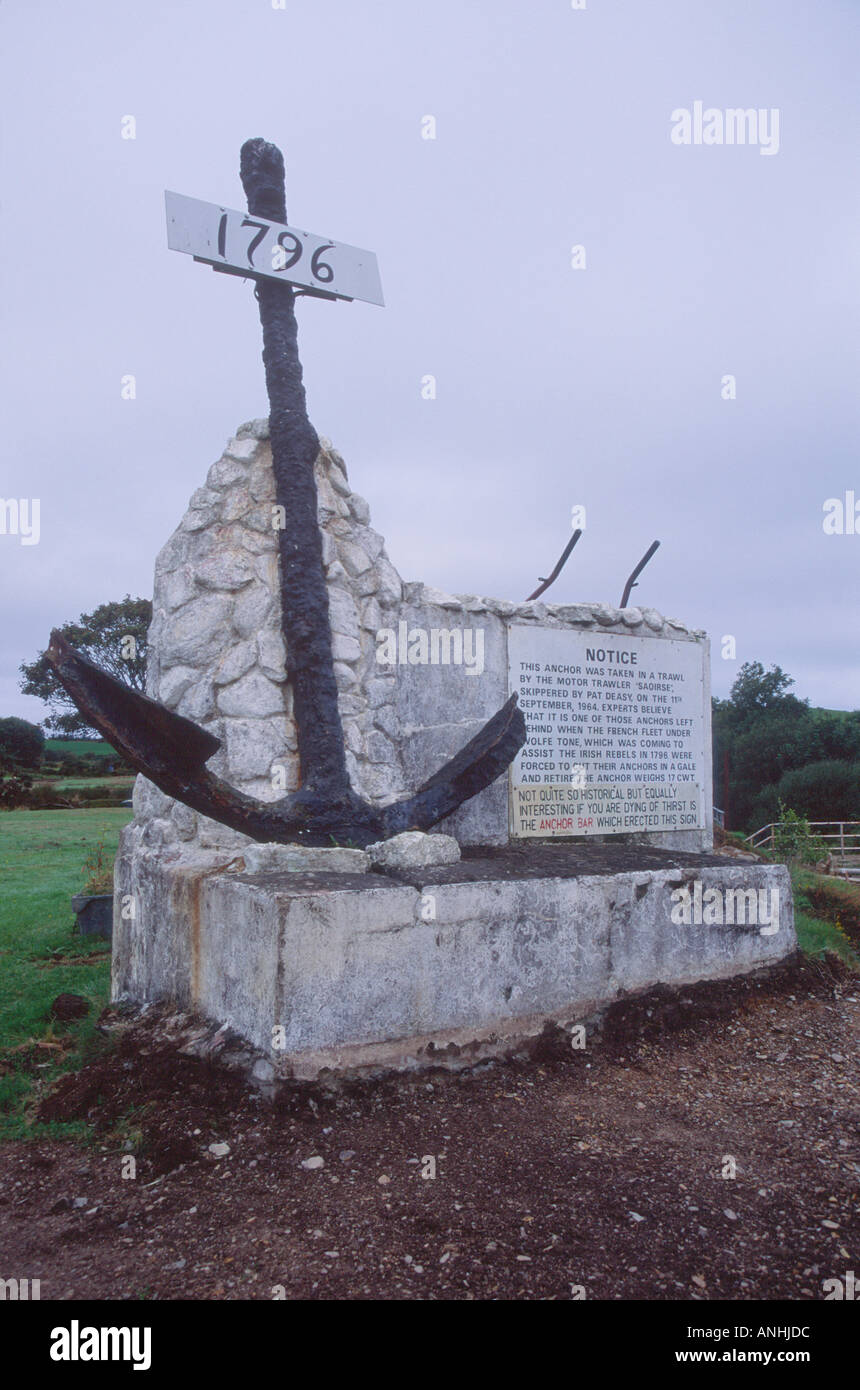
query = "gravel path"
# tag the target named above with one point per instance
(599, 1170)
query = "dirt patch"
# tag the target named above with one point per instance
(67, 959)
(601, 1168)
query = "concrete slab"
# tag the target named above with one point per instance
(452, 964)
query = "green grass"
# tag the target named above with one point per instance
(814, 937)
(79, 748)
(42, 854)
(822, 908)
(70, 784)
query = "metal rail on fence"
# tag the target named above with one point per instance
(842, 838)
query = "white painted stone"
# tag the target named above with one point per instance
(272, 654)
(388, 585)
(301, 859)
(148, 801)
(198, 702)
(253, 745)
(196, 633)
(243, 449)
(344, 675)
(359, 509)
(372, 542)
(261, 519)
(212, 835)
(652, 618)
(344, 648)
(381, 690)
(606, 615)
(355, 560)
(267, 569)
(261, 482)
(414, 850)
(235, 662)
(253, 695)
(174, 683)
(199, 520)
(185, 821)
(380, 749)
(237, 503)
(178, 588)
(253, 607)
(226, 472)
(343, 613)
(371, 616)
(203, 498)
(257, 542)
(255, 429)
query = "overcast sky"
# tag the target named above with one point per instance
(555, 386)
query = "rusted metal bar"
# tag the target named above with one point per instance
(295, 445)
(631, 583)
(545, 583)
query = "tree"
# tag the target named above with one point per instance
(114, 636)
(21, 743)
(756, 690)
(822, 791)
(763, 733)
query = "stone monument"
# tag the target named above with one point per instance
(277, 876)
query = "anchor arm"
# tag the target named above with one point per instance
(171, 751)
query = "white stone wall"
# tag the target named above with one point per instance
(217, 655)
(216, 648)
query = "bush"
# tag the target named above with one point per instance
(793, 840)
(47, 797)
(21, 743)
(14, 790)
(823, 791)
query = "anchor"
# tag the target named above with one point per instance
(171, 750)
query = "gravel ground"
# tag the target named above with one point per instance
(595, 1172)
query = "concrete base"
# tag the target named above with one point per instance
(346, 972)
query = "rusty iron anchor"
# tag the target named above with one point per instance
(172, 751)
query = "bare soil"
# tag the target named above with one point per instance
(599, 1169)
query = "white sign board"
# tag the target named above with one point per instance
(616, 733)
(253, 246)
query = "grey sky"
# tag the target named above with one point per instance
(555, 386)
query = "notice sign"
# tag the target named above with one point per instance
(615, 733)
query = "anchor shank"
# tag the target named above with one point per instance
(295, 445)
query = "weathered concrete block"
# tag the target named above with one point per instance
(301, 859)
(365, 970)
(414, 850)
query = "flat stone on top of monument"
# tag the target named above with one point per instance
(303, 859)
(414, 850)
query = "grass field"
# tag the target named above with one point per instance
(78, 748)
(42, 854)
(827, 915)
(65, 784)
